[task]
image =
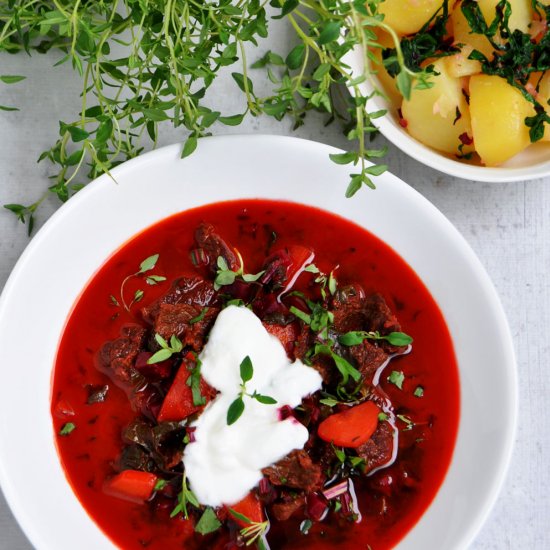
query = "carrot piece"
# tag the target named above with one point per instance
(178, 402)
(250, 507)
(352, 427)
(133, 485)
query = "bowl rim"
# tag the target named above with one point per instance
(306, 149)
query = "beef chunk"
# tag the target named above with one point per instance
(324, 365)
(378, 315)
(174, 319)
(303, 343)
(192, 290)
(214, 246)
(287, 505)
(276, 268)
(296, 470)
(285, 333)
(117, 357)
(378, 450)
(348, 308)
(134, 457)
(161, 443)
(353, 310)
(368, 357)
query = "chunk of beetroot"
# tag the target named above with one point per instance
(155, 372)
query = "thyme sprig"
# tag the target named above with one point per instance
(225, 276)
(356, 337)
(146, 265)
(147, 64)
(166, 349)
(236, 408)
(254, 530)
(185, 497)
(320, 321)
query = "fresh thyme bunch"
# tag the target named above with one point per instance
(173, 50)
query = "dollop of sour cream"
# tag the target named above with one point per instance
(226, 461)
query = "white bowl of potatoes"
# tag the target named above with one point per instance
(472, 122)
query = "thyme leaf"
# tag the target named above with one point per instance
(166, 349)
(145, 266)
(185, 497)
(236, 409)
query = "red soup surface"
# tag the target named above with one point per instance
(92, 408)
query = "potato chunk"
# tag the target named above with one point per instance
(387, 82)
(408, 16)
(543, 98)
(439, 115)
(498, 112)
(459, 64)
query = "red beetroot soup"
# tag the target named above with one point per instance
(110, 407)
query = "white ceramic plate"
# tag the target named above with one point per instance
(90, 227)
(532, 163)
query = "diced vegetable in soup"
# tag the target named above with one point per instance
(486, 97)
(255, 374)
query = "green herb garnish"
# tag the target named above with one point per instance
(185, 497)
(253, 530)
(160, 485)
(346, 369)
(208, 523)
(419, 391)
(224, 275)
(305, 526)
(319, 318)
(194, 382)
(236, 408)
(166, 349)
(199, 317)
(162, 72)
(146, 265)
(354, 338)
(357, 462)
(339, 453)
(409, 423)
(397, 378)
(324, 280)
(430, 42)
(67, 428)
(329, 401)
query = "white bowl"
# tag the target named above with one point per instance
(90, 227)
(532, 163)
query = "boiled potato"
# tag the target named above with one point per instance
(431, 115)
(459, 64)
(520, 18)
(498, 112)
(543, 98)
(539, 87)
(386, 81)
(408, 16)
